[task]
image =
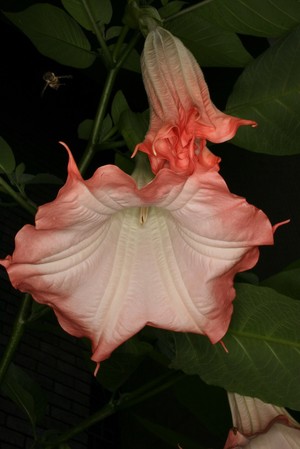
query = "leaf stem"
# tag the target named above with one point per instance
(103, 103)
(106, 53)
(16, 335)
(110, 145)
(18, 197)
(100, 114)
(127, 400)
(128, 49)
(119, 42)
(187, 10)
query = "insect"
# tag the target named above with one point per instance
(53, 81)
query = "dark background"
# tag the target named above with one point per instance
(33, 124)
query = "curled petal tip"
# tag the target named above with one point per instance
(96, 369)
(224, 346)
(72, 166)
(275, 227)
(64, 145)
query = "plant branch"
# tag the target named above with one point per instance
(100, 115)
(106, 53)
(18, 197)
(103, 103)
(187, 10)
(127, 400)
(129, 47)
(110, 145)
(16, 335)
(119, 42)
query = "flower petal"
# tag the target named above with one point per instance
(258, 425)
(111, 258)
(212, 235)
(182, 116)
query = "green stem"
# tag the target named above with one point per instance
(111, 133)
(128, 49)
(111, 145)
(106, 53)
(17, 197)
(127, 400)
(16, 335)
(102, 108)
(100, 114)
(188, 10)
(119, 43)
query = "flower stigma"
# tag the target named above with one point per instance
(143, 214)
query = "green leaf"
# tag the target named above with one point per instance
(170, 436)
(43, 178)
(37, 311)
(100, 10)
(48, 440)
(133, 127)
(55, 34)
(105, 128)
(85, 128)
(215, 416)
(132, 62)
(24, 392)
(119, 105)
(269, 18)
(171, 8)
(113, 32)
(287, 281)
(268, 91)
(124, 162)
(263, 343)
(122, 363)
(19, 172)
(7, 159)
(210, 44)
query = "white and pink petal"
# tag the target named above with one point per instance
(258, 425)
(111, 258)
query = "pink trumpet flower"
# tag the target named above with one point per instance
(114, 253)
(182, 116)
(110, 257)
(258, 425)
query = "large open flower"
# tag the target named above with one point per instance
(182, 116)
(258, 425)
(110, 257)
(114, 253)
